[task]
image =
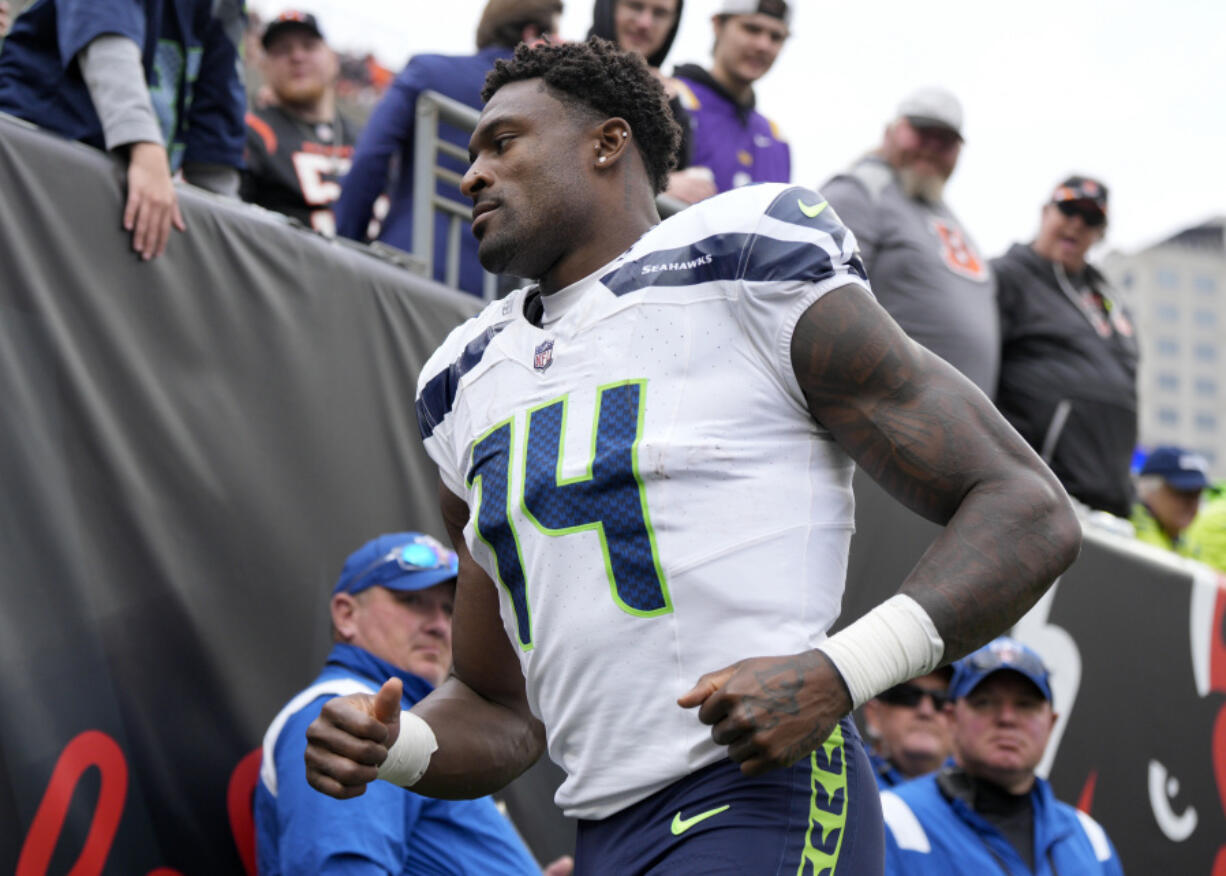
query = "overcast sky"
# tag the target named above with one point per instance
(1132, 92)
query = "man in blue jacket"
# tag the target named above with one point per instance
(390, 132)
(391, 618)
(991, 813)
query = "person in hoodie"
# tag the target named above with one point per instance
(735, 142)
(1068, 370)
(648, 27)
(990, 813)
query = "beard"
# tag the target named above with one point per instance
(928, 187)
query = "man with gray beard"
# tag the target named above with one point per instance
(925, 269)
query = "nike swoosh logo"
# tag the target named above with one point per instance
(812, 212)
(681, 825)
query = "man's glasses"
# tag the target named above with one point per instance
(1093, 218)
(909, 695)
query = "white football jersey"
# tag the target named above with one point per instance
(647, 486)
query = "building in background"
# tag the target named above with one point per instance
(1177, 292)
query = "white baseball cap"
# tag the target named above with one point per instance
(932, 107)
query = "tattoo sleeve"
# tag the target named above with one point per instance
(935, 443)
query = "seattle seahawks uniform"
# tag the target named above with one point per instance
(647, 486)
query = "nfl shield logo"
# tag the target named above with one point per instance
(544, 356)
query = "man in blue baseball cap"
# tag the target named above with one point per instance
(1169, 487)
(391, 618)
(990, 813)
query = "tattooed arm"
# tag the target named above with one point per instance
(935, 443)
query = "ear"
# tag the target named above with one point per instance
(611, 141)
(344, 608)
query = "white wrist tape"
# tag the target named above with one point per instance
(894, 642)
(409, 755)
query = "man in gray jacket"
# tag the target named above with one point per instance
(924, 267)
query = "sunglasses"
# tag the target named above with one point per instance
(1093, 218)
(416, 556)
(909, 696)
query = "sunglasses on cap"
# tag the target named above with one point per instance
(1091, 216)
(909, 695)
(416, 556)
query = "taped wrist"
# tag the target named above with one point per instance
(893, 643)
(409, 756)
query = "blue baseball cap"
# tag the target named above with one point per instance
(398, 561)
(998, 655)
(1180, 469)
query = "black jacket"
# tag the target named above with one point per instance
(1068, 377)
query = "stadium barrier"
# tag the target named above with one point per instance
(190, 447)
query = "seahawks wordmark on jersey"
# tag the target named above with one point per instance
(647, 486)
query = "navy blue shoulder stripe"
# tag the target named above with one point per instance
(807, 208)
(749, 257)
(438, 395)
(713, 258)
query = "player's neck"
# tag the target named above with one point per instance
(608, 240)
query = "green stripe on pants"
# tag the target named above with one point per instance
(827, 807)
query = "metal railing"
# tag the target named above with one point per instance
(433, 109)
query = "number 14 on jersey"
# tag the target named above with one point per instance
(607, 499)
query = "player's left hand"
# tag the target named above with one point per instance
(770, 711)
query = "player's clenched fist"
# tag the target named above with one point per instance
(349, 740)
(770, 711)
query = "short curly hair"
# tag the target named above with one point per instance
(604, 81)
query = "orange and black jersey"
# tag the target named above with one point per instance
(295, 167)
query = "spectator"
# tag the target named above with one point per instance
(732, 139)
(908, 729)
(116, 75)
(991, 813)
(5, 20)
(1205, 539)
(391, 618)
(924, 267)
(1168, 495)
(389, 133)
(1068, 355)
(649, 27)
(300, 145)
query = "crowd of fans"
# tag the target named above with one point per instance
(328, 139)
